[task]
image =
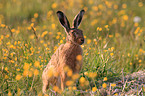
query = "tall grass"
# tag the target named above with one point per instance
(30, 33)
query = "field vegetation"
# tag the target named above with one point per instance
(114, 47)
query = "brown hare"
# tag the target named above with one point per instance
(66, 54)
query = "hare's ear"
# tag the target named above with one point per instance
(78, 19)
(63, 20)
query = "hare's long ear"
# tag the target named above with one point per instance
(63, 20)
(78, 19)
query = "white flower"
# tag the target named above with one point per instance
(137, 19)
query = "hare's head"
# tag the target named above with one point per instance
(74, 34)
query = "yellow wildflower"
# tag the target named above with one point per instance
(63, 38)
(95, 21)
(140, 4)
(26, 66)
(9, 93)
(49, 13)
(125, 17)
(70, 88)
(140, 61)
(95, 8)
(111, 54)
(25, 73)
(3, 25)
(7, 36)
(110, 36)
(36, 72)
(116, 94)
(57, 37)
(113, 85)
(82, 80)
(29, 28)
(115, 6)
(100, 29)
(6, 68)
(54, 5)
(105, 79)
(59, 33)
(136, 24)
(124, 6)
(86, 73)
(18, 77)
(69, 73)
(86, 83)
(69, 83)
(13, 30)
(6, 76)
(18, 69)
(2, 36)
(104, 85)
(37, 64)
(30, 74)
(74, 88)
(88, 41)
(94, 89)
(55, 88)
(66, 69)
(46, 95)
(32, 24)
(130, 63)
(33, 19)
(92, 74)
(36, 15)
(53, 26)
(44, 33)
(106, 26)
(40, 94)
(50, 33)
(75, 76)
(61, 41)
(79, 57)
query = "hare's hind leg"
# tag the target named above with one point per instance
(45, 86)
(63, 77)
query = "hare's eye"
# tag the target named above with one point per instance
(75, 34)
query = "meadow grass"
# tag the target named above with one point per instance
(30, 33)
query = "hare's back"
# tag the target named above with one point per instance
(55, 57)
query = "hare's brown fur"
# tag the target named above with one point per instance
(65, 55)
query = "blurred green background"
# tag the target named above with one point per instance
(114, 32)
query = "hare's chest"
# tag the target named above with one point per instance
(72, 57)
(71, 52)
